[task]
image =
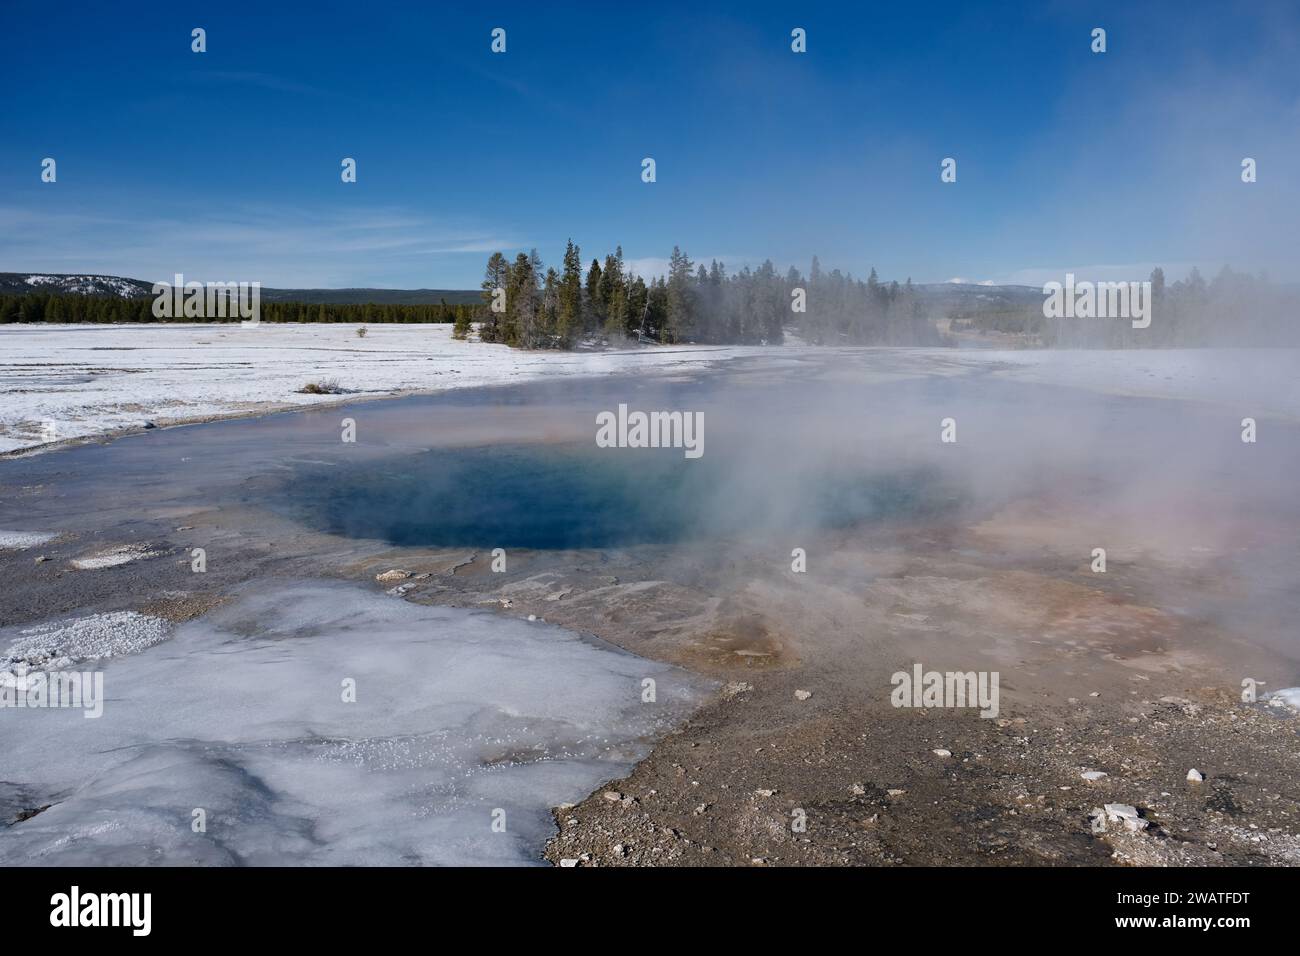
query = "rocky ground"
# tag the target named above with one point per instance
(844, 788)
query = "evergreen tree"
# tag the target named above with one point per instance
(462, 327)
(657, 309)
(638, 300)
(496, 276)
(613, 294)
(569, 312)
(519, 326)
(551, 307)
(595, 314)
(677, 323)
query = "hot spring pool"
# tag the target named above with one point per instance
(548, 496)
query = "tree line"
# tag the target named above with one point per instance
(40, 307)
(531, 306)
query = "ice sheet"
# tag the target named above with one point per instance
(241, 714)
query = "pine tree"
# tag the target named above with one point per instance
(677, 324)
(657, 309)
(569, 318)
(550, 307)
(519, 325)
(638, 298)
(461, 329)
(496, 276)
(595, 313)
(613, 293)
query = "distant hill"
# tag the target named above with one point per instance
(19, 283)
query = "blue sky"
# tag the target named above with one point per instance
(225, 165)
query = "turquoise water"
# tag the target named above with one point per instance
(564, 496)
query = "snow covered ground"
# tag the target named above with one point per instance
(457, 720)
(72, 381)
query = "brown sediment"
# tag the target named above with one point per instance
(1090, 680)
(741, 642)
(179, 608)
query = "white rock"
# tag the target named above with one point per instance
(942, 753)
(568, 862)
(113, 557)
(802, 694)
(1126, 814)
(21, 540)
(1195, 776)
(1093, 775)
